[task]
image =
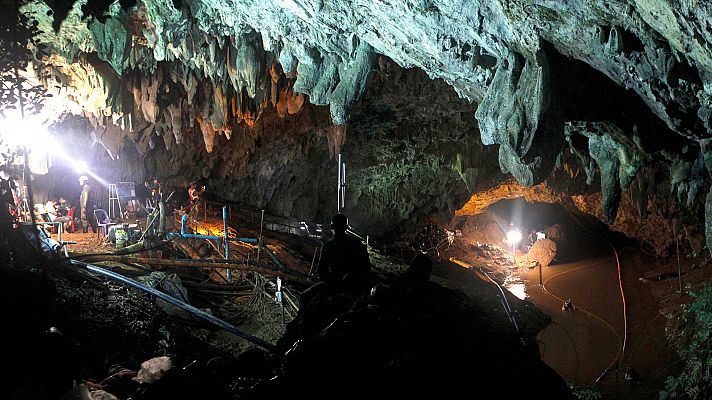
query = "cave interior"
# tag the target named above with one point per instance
(531, 182)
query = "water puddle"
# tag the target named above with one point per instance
(516, 286)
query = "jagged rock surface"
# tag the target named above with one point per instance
(401, 165)
(627, 85)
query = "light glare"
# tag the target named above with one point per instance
(514, 236)
(80, 166)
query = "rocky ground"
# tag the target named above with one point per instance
(76, 331)
(80, 335)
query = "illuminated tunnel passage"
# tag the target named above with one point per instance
(577, 236)
(585, 339)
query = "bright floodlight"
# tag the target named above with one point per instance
(19, 132)
(514, 236)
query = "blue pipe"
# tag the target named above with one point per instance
(187, 307)
(274, 257)
(227, 239)
(182, 233)
(227, 242)
(191, 236)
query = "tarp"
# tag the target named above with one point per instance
(171, 285)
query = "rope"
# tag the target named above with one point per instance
(590, 314)
(620, 285)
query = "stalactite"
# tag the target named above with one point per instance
(208, 133)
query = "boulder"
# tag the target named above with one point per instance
(542, 252)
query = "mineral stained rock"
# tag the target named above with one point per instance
(624, 86)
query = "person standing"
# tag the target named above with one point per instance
(343, 255)
(8, 192)
(158, 203)
(194, 195)
(87, 205)
(156, 196)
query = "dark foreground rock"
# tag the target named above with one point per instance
(403, 338)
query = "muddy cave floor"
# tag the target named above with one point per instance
(108, 330)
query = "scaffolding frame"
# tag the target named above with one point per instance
(114, 201)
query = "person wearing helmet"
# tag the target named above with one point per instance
(343, 255)
(86, 204)
(194, 195)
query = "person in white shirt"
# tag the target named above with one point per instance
(51, 210)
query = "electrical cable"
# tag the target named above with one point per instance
(620, 285)
(503, 300)
(590, 314)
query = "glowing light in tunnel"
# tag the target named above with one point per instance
(514, 236)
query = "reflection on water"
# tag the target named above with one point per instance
(516, 287)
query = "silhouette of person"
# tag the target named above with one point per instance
(418, 272)
(87, 205)
(342, 255)
(154, 185)
(7, 191)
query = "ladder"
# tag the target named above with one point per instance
(114, 202)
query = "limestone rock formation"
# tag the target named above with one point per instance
(625, 88)
(542, 252)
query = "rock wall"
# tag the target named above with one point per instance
(624, 87)
(411, 150)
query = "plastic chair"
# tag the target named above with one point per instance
(102, 221)
(70, 214)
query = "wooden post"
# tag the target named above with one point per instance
(199, 264)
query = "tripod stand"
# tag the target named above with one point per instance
(24, 210)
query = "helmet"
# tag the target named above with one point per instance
(83, 178)
(339, 221)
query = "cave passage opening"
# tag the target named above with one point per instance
(577, 236)
(575, 262)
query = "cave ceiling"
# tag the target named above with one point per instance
(614, 93)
